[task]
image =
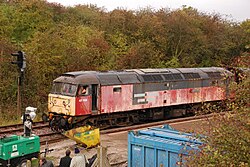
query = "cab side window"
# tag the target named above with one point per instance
(83, 90)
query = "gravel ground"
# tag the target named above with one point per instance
(116, 146)
(117, 143)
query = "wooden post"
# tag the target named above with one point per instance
(102, 157)
(98, 156)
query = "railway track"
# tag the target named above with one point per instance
(39, 128)
(47, 136)
(12, 129)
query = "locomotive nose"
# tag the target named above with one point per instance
(59, 123)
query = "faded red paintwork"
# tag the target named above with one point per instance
(122, 101)
(83, 105)
(116, 101)
(110, 101)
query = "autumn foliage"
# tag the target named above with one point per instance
(58, 39)
(227, 144)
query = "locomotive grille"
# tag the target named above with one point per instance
(191, 75)
(152, 78)
(214, 74)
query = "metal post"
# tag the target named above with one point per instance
(21, 64)
(19, 113)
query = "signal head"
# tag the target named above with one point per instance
(21, 60)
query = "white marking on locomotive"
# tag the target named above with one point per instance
(139, 95)
(83, 100)
(141, 100)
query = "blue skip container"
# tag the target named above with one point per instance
(160, 147)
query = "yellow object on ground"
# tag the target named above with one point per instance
(86, 136)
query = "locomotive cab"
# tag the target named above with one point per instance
(69, 102)
(87, 92)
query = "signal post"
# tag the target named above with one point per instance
(21, 64)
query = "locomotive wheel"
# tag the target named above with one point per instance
(53, 125)
(63, 122)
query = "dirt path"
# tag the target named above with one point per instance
(116, 143)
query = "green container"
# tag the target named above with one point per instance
(19, 147)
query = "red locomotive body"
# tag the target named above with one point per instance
(123, 97)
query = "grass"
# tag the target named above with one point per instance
(9, 120)
(10, 117)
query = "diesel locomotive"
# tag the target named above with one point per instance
(118, 98)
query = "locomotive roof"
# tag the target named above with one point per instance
(141, 75)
